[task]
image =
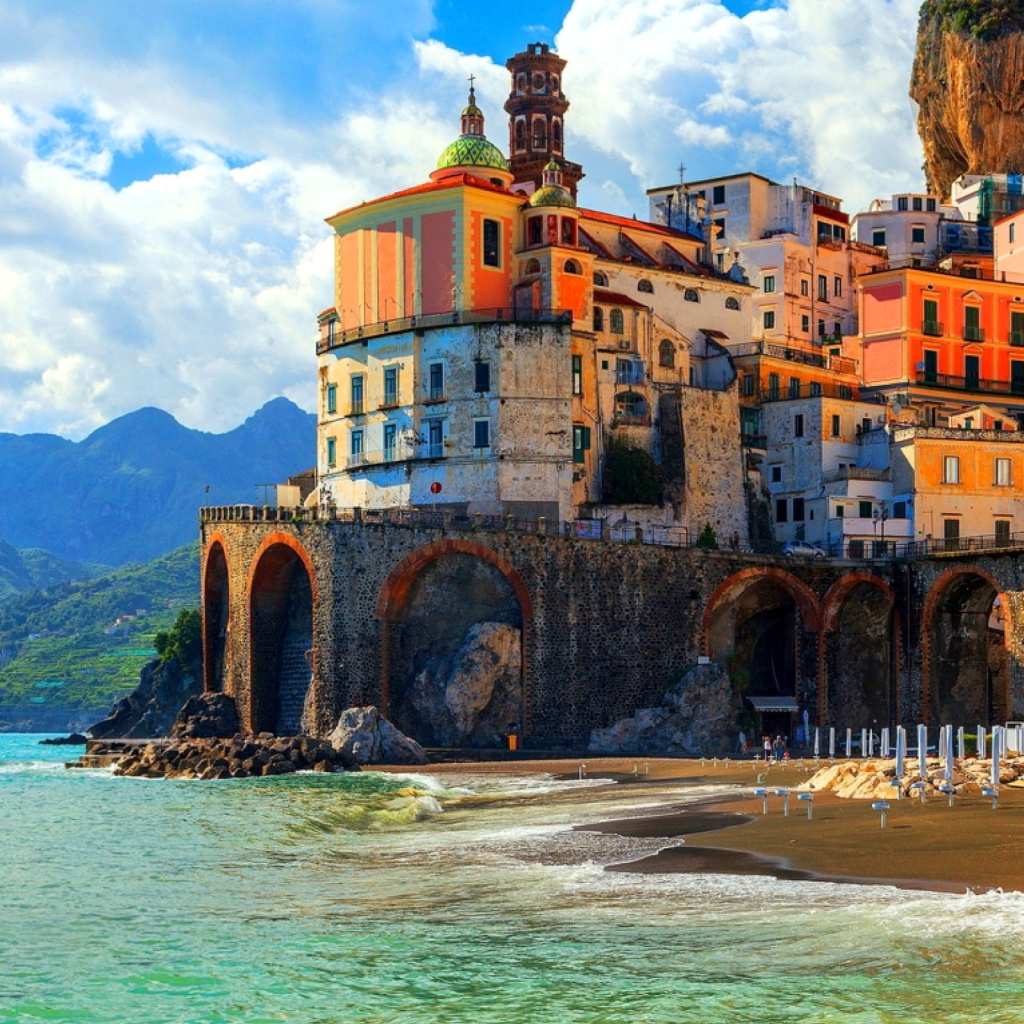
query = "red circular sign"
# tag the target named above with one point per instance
(435, 488)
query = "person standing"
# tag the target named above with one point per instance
(779, 746)
(767, 748)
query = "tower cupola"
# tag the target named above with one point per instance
(471, 152)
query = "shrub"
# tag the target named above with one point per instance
(631, 476)
(708, 539)
(184, 641)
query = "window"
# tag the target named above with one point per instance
(556, 128)
(492, 242)
(769, 283)
(1016, 377)
(691, 295)
(769, 319)
(773, 386)
(391, 385)
(577, 375)
(781, 511)
(532, 267)
(580, 443)
(616, 323)
(535, 229)
(720, 225)
(798, 510)
(481, 377)
(836, 427)
(805, 324)
(845, 391)
(645, 286)
(666, 353)
(805, 287)
(837, 287)
(916, 204)
(540, 132)
(600, 279)
(929, 205)
(864, 509)
(931, 324)
(821, 327)
(357, 395)
(598, 318)
(901, 203)
(332, 451)
(568, 231)
(1016, 328)
(436, 388)
(355, 447)
(1002, 472)
(878, 238)
(972, 372)
(815, 389)
(951, 469)
(972, 323)
(840, 511)
(481, 433)
(1013, 233)
(899, 510)
(822, 288)
(917, 236)
(435, 439)
(776, 474)
(748, 385)
(390, 436)
(1002, 532)
(798, 425)
(731, 303)
(520, 130)
(572, 267)
(951, 534)
(718, 195)
(794, 387)
(332, 398)
(931, 367)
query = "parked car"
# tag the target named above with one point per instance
(802, 549)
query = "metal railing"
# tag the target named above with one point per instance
(788, 392)
(978, 384)
(973, 333)
(855, 473)
(494, 314)
(808, 357)
(933, 328)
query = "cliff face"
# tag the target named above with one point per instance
(968, 82)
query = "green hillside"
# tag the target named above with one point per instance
(32, 567)
(62, 647)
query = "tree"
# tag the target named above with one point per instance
(631, 476)
(708, 539)
(184, 641)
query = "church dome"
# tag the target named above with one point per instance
(552, 195)
(473, 151)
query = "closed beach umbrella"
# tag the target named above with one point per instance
(831, 742)
(816, 740)
(864, 752)
(807, 726)
(884, 748)
(901, 750)
(981, 741)
(961, 741)
(942, 743)
(996, 740)
(849, 742)
(922, 750)
(948, 730)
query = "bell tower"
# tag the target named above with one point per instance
(536, 118)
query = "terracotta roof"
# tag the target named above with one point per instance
(636, 225)
(326, 312)
(454, 180)
(607, 298)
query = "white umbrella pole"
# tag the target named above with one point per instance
(922, 751)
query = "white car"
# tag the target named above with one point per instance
(802, 549)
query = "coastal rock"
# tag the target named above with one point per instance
(366, 737)
(207, 716)
(471, 697)
(873, 780)
(151, 708)
(695, 717)
(76, 739)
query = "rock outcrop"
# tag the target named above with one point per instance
(365, 736)
(968, 82)
(150, 710)
(471, 697)
(695, 717)
(208, 716)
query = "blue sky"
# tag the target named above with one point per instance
(165, 167)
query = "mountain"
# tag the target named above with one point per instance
(68, 651)
(33, 568)
(968, 83)
(130, 491)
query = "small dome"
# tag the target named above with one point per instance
(473, 151)
(552, 167)
(552, 195)
(472, 111)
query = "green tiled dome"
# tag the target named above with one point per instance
(473, 151)
(552, 195)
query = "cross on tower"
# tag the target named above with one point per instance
(472, 79)
(682, 173)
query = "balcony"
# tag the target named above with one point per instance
(756, 441)
(974, 333)
(435, 394)
(358, 459)
(855, 473)
(632, 419)
(787, 392)
(356, 408)
(634, 374)
(430, 451)
(933, 328)
(976, 385)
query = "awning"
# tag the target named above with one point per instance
(774, 703)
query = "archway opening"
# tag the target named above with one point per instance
(861, 651)
(215, 617)
(282, 641)
(455, 653)
(969, 665)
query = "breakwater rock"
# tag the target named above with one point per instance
(365, 736)
(208, 716)
(240, 757)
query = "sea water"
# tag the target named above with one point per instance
(381, 898)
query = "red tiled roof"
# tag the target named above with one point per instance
(326, 312)
(607, 298)
(636, 225)
(451, 181)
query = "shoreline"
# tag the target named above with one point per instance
(930, 847)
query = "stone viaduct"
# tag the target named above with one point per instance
(304, 616)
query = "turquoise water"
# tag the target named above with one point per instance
(373, 898)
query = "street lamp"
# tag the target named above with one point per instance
(880, 515)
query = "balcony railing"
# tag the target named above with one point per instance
(1017, 339)
(841, 364)
(974, 333)
(933, 328)
(356, 408)
(430, 451)
(495, 314)
(435, 394)
(355, 460)
(633, 419)
(973, 384)
(825, 389)
(759, 441)
(854, 473)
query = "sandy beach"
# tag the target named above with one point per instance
(930, 846)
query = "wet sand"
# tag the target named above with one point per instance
(930, 846)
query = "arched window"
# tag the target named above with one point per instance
(572, 267)
(600, 279)
(520, 134)
(535, 231)
(532, 267)
(540, 133)
(691, 295)
(645, 286)
(666, 353)
(615, 322)
(598, 318)
(554, 83)
(520, 84)
(731, 303)
(630, 408)
(556, 135)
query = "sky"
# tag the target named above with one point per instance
(166, 167)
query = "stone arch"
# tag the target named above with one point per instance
(965, 671)
(216, 612)
(283, 596)
(860, 630)
(454, 618)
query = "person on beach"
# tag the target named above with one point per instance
(767, 748)
(779, 746)
(741, 743)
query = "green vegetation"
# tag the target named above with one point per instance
(985, 19)
(184, 641)
(631, 476)
(708, 538)
(82, 644)
(32, 567)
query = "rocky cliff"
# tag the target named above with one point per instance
(968, 82)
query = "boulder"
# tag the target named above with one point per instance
(696, 716)
(364, 736)
(207, 716)
(76, 739)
